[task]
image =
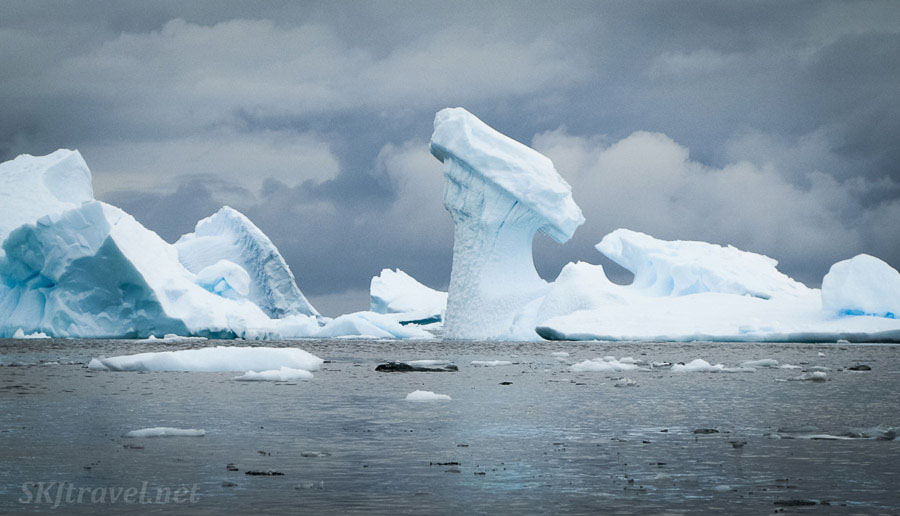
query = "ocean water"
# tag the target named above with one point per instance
(549, 441)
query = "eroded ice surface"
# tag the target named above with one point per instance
(499, 193)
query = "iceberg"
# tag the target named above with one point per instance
(862, 285)
(499, 193)
(396, 292)
(229, 235)
(94, 271)
(74, 267)
(689, 291)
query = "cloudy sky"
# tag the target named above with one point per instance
(772, 126)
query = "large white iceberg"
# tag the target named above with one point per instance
(75, 267)
(396, 292)
(862, 285)
(229, 235)
(499, 193)
(685, 291)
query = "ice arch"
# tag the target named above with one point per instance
(499, 193)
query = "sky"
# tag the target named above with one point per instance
(768, 125)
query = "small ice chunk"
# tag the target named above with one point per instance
(426, 396)
(283, 374)
(697, 366)
(163, 431)
(559, 354)
(20, 334)
(817, 376)
(607, 364)
(763, 362)
(171, 338)
(722, 488)
(491, 363)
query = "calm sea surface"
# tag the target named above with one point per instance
(552, 441)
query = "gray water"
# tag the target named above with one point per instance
(553, 441)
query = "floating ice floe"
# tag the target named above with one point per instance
(162, 431)
(426, 396)
(171, 338)
(213, 359)
(283, 374)
(763, 362)
(605, 365)
(702, 366)
(491, 363)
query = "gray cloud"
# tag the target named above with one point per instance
(769, 125)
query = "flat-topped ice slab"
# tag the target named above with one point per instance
(522, 172)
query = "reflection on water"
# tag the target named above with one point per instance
(551, 440)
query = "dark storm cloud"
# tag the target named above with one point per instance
(771, 125)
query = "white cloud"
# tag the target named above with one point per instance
(189, 76)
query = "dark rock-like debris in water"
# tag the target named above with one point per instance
(402, 367)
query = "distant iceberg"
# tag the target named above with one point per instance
(395, 292)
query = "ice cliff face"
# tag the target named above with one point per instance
(94, 271)
(71, 266)
(34, 186)
(229, 235)
(499, 194)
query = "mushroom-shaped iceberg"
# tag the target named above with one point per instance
(499, 193)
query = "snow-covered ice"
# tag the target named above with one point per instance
(499, 193)
(282, 374)
(426, 396)
(685, 291)
(862, 285)
(394, 291)
(229, 235)
(212, 359)
(371, 325)
(164, 431)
